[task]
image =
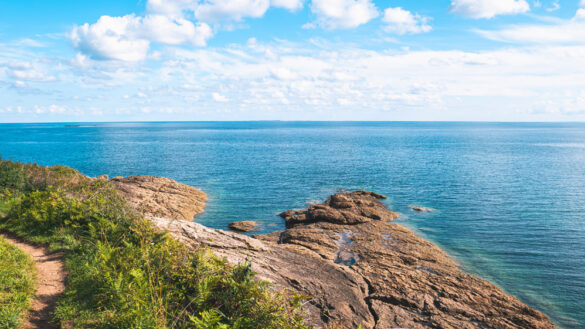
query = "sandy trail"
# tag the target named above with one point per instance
(51, 283)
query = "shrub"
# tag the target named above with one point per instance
(126, 274)
(12, 176)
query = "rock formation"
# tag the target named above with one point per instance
(243, 226)
(358, 267)
(161, 197)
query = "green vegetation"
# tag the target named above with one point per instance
(17, 285)
(122, 272)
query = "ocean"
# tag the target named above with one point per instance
(510, 197)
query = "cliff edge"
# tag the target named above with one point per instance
(356, 266)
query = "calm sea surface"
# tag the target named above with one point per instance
(511, 197)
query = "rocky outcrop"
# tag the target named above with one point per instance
(361, 269)
(161, 197)
(342, 208)
(244, 226)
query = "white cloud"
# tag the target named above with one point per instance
(402, 21)
(215, 10)
(32, 75)
(488, 8)
(286, 80)
(175, 31)
(128, 38)
(171, 8)
(342, 14)
(112, 38)
(291, 5)
(582, 3)
(570, 31)
(219, 98)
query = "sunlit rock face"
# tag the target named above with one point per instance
(355, 264)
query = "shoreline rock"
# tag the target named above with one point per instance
(358, 267)
(161, 197)
(243, 226)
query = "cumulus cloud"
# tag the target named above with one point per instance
(215, 10)
(342, 14)
(402, 21)
(112, 38)
(570, 31)
(291, 5)
(128, 38)
(488, 8)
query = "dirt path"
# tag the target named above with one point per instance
(51, 283)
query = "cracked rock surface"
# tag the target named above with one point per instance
(360, 268)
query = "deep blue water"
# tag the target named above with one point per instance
(511, 197)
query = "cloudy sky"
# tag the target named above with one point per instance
(165, 60)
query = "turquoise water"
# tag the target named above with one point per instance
(511, 197)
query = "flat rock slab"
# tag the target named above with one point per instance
(244, 226)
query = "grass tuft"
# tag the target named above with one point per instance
(17, 285)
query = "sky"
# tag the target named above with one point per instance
(204, 60)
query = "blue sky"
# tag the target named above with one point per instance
(471, 60)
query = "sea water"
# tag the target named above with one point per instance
(510, 197)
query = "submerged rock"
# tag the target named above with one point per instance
(360, 269)
(421, 208)
(244, 226)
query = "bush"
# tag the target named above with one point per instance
(125, 274)
(12, 176)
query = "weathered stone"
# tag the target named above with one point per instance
(360, 269)
(161, 197)
(342, 208)
(244, 226)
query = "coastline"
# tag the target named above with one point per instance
(338, 264)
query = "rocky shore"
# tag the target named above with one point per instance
(354, 264)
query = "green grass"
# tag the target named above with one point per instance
(17, 285)
(122, 272)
